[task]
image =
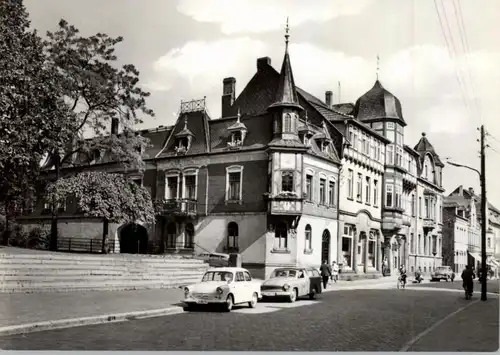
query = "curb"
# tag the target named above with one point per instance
(82, 321)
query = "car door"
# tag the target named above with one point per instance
(240, 288)
(250, 285)
(303, 282)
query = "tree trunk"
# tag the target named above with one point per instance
(105, 230)
(53, 225)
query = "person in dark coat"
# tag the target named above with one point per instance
(326, 272)
(468, 284)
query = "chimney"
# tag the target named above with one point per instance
(263, 62)
(471, 191)
(461, 190)
(228, 95)
(114, 125)
(328, 98)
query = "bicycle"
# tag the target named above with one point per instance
(401, 282)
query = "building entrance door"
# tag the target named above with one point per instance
(325, 246)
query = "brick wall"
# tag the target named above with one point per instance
(255, 181)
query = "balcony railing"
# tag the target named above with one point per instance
(429, 222)
(184, 206)
(285, 203)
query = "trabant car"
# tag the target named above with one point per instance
(442, 273)
(292, 283)
(225, 286)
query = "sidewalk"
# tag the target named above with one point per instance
(473, 329)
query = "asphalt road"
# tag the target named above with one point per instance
(492, 286)
(355, 320)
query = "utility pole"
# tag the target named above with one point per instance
(484, 217)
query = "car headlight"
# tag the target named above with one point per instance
(186, 291)
(286, 287)
(220, 291)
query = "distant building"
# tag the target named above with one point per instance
(464, 206)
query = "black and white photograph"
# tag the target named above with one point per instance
(250, 175)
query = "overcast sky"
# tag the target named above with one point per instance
(184, 48)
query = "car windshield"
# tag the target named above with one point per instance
(217, 276)
(284, 273)
(442, 269)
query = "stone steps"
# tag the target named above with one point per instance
(49, 272)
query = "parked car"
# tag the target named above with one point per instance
(292, 283)
(225, 286)
(214, 259)
(442, 273)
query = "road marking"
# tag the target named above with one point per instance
(434, 326)
(447, 289)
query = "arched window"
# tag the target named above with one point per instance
(281, 236)
(308, 237)
(232, 236)
(287, 123)
(171, 235)
(189, 236)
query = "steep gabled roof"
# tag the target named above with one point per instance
(423, 147)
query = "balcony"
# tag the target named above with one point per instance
(428, 224)
(285, 203)
(392, 218)
(180, 207)
(406, 220)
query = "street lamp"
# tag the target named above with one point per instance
(483, 216)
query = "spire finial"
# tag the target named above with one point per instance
(185, 121)
(378, 65)
(239, 115)
(286, 35)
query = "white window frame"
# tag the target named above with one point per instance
(389, 188)
(190, 172)
(309, 172)
(167, 191)
(308, 242)
(359, 187)
(323, 178)
(350, 183)
(375, 192)
(234, 169)
(368, 188)
(332, 179)
(398, 194)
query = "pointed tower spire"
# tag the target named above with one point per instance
(286, 94)
(378, 65)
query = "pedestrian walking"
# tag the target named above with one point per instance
(468, 284)
(335, 271)
(326, 272)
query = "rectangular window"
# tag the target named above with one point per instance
(350, 183)
(390, 155)
(309, 187)
(360, 188)
(413, 205)
(190, 186)
(331, 193)
(399, 193)
(355, 141)
(287, 181)
(389, 195)
(420, 207)
(322, 191)
(412, 249)
(375, 192)
(172, 186)
(390, 125)
(368, 192)
(347, 245)
(427, 212)
(234, 186)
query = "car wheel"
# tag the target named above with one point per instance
(293, 296)
(189, 308)
(229, 303)
(312, 295)
(253, 302)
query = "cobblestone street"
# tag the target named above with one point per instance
(353, 320)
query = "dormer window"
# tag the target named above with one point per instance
(238, 132)
(183, 139)
(305, 132)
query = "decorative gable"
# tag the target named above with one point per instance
(323, 139)
(237, 133)
(183, 139)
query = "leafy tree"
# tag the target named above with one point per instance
(31, 109)
(96, 94)
(112, 197)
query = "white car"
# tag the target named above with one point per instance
(226, 286)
